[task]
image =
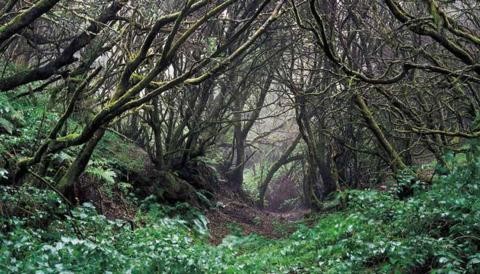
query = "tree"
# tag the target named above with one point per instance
(130, 92)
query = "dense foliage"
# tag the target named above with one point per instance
(434, 230)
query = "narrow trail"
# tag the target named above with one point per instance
(233, 217)
(290, 216)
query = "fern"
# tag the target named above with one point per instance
(7, 115)
(103, 174)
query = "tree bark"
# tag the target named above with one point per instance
(241, 134)
(396, 162)
(80, 163)
(284, 159)
(66, 57)
(25, 18)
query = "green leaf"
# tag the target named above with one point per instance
(3, 173)
(106, 175)
(6, 125)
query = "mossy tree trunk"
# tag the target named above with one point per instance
(80, 163)
(66, 57)
(284, 159)
(25, 18)
(319, 179)
(240, 132)
(396, 162)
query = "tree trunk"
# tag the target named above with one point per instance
(236, 174)
(67, 56)
(25, 18)
(309, 186)
(275, 167)
(396, 162)
(80, 163)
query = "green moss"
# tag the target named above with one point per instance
(68, 137)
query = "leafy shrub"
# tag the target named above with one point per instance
(435, 230)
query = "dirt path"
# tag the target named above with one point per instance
(232, 216)
(290, 216)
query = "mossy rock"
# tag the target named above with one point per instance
(200, 175)
(169, 187)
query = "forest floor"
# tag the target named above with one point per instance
(234, 216)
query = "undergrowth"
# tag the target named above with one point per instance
(436, 230)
